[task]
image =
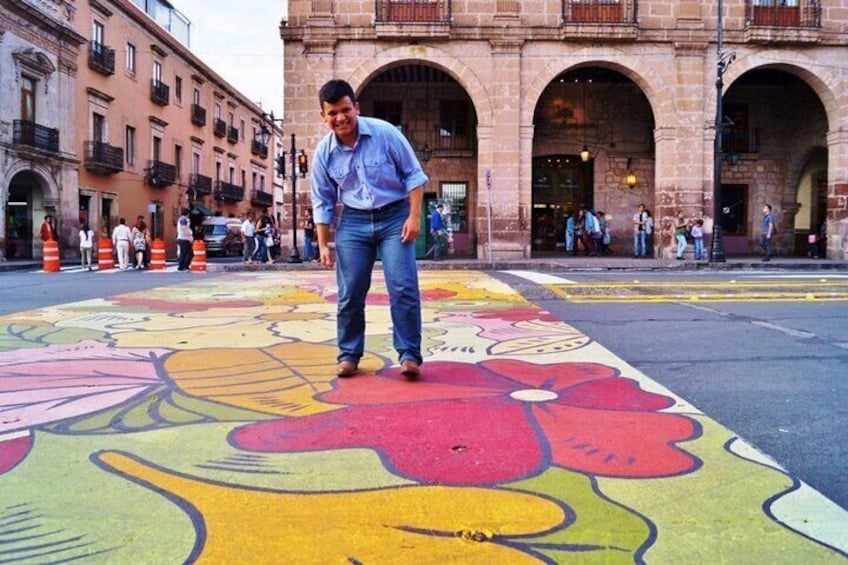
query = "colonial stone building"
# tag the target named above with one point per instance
(38, 162)
(106, 113)
(522, 111)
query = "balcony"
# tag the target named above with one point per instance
(228, 191)
(35, 135)
(599, 11)
(160, 93)
(160, 174)
(219, 127)
(783, 21)
(101, 58)
(198, 115)
(413, 11)
(259, 149)
(232, 134)
(261, 198)
(102, 158)
(201, 185)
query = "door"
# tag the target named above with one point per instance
(734, 218)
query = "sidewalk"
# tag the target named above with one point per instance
(203, 421)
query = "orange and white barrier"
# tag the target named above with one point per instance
(51, 256)
(198, 262)
(157, 255)
(105, 258)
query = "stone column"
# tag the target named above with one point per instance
(837, 195)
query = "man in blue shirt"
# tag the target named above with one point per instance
(768, 232)
(437, 230)
(370, 167)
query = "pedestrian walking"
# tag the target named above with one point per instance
(121, 240)
(184, 241)
(370, 167)
(437, 230)
(680, 226)
(698, 238)
(308, 226)
(649, 234)
(140, 242)
(768, 231)
(48, 229)
(640, 246)
(248, 235)
(569, 232)
(86, 240)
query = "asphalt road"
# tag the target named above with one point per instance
(772, 371)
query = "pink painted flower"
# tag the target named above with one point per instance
(495, 422)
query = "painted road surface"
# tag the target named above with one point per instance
(203, 423)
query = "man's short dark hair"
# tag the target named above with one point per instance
(769, 207)
(439, 206)
(334, 90)
(184, 212)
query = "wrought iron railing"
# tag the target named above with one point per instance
(258, 148)
(101, 58)
(160, 173)
(261, 198)
(25, 132)
(413, 11)
(228, 191)
(599, 11)
(160, 93)
(102, 158)
(219, 127)
(198, 115)
(232, 134)
(783, 13)
(200, 184)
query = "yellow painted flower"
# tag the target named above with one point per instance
(413, 524)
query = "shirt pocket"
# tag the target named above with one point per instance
(380, 170)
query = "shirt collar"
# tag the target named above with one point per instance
(362, 128)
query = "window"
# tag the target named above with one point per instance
(195, 97)
(28, 99)
(217, 111)
(129, 145)
(98, 127)
(157, 71)
(195, 162)
(241, 130)
(389, 110)
(454, 125)
(255, 180)
(232, 122)
(243, 178)
(130, 61)
(98, 33)
(157, 148)
(178, 88)
(454, 198)
(262, 182)
(178, 160)
(232, 174)
(217, 171)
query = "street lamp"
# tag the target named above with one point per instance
(723, 60)
(299, 164)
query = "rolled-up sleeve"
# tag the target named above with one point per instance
(323, 188)
(408, 165)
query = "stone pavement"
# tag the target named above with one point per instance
(202, 422)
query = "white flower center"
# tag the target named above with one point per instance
(534, 395)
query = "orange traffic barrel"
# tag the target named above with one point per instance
(105, 259)
(198, 262)
(157, 255)
(51, 256)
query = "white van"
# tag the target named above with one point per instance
(222, 236)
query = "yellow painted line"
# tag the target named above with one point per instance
(717, 293)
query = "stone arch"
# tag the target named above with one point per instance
(823, 80)
(49, 187)
(419, 54)
(660, 100)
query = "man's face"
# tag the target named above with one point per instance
(765, 210)
(341, 118)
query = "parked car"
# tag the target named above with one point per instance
(222, 236)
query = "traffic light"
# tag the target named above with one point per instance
(302, 163)
(280, 164)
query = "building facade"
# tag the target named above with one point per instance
(525, 111)
(38, 162)
(145, 128)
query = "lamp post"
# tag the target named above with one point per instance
(299, 164)
(723, 60)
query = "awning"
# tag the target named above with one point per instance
(200, 210)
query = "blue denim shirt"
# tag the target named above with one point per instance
(380, 169)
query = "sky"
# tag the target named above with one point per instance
(240, 40)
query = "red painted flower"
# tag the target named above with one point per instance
(495, 422)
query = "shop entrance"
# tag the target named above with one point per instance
(19, 220)
(561, 184)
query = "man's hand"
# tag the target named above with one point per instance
(411, 229)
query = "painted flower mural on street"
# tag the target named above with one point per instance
(579, 416)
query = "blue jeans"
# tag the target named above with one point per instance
(699, 248)
(360, 236)
(639, 249)
(307, 247)
(681, 244)
(261, 252)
